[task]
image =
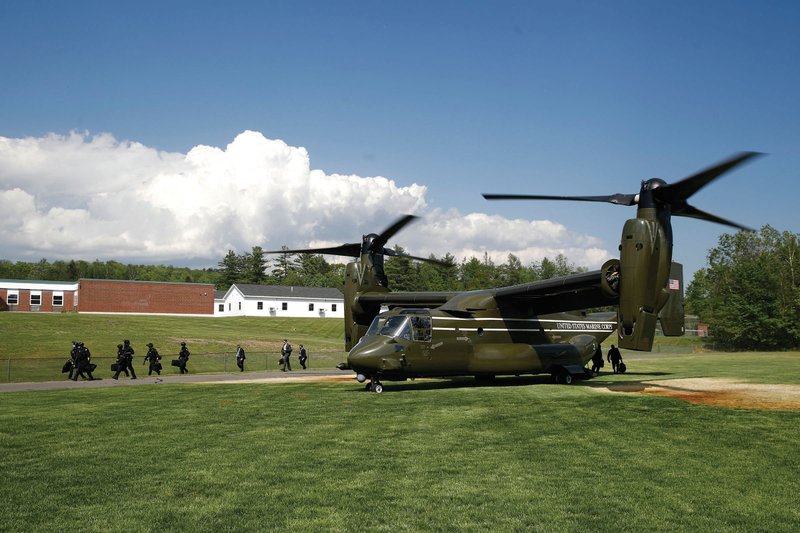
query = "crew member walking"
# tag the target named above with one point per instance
(240, 357)
(597, 361)
(303, 357)
(83, 363)
(183, 358)
(286, 353)
(615, 358)
(153, 357)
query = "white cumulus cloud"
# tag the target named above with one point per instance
(88, 196)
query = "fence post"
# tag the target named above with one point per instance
(8, 374)
(224, 362)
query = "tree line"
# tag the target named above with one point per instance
(404, 274)
(74, 270)
(305, 270)
(749, 292)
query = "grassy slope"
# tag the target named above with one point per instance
(38, 344)
(423, 456)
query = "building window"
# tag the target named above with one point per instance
(310, 307)
(260, 306)
(12, 298)
(221, 308)
(229, 306)
(36, 298)
(333, 307)
(58, 299)
(284, 306)
(240, 306)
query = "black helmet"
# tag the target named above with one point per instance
(150, 344)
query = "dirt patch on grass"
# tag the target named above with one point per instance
(719, 393)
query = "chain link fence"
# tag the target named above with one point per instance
(22, 369)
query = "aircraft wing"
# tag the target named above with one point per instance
(565, 293)
(406, 299)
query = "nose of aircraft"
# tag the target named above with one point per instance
(374, 354)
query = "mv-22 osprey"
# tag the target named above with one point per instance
(532, 328)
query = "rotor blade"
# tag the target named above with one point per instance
(350, 250)
(692, 212)
(391, 253)
(682, 190)
(619, 199)
(381, 240)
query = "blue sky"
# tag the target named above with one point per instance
(459, 97)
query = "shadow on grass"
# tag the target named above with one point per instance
(463, 382)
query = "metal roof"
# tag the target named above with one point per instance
(282, 291)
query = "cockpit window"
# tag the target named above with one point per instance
(392, 326)
(416, 327)
(377, 324)
(421, 328)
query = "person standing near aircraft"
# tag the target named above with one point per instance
(303, 357)
(597, 361)
(615, 358)
(286, 353)
(240, 357)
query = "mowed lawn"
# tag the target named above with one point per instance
(34, 346)
(517, 455)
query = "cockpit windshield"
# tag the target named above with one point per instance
(391, 326)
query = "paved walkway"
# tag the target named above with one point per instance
(240, 377)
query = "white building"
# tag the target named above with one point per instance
(278, 300)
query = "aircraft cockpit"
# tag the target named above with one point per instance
(414, 326)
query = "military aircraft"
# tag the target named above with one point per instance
(532, 328)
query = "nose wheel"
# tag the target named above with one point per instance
(374, 386)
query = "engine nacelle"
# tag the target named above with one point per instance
(645, 260)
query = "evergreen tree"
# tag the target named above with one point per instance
(230, 270)
(254, 266)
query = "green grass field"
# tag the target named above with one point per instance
(518, 455)
(35, 345)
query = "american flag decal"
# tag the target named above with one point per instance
(674, 285)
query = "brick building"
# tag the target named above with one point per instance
(149, 297)
(107, 296)
(44, 296)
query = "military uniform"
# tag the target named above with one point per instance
(153, 357)
(183, 358)
(83, 363)
(73, 360)
(125, 359)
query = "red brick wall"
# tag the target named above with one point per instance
(105, 296)
(47, 301)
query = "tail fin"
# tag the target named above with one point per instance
(671, 315)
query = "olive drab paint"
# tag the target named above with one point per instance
(538, 327)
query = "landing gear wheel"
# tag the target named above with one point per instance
(567, 377)
(377, 388)
(368, 386)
